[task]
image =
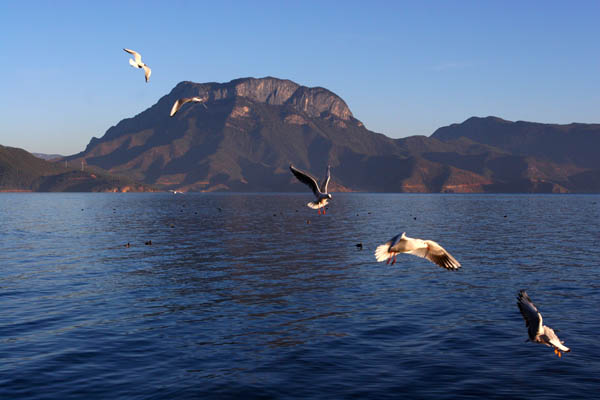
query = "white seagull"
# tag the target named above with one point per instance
(538, 333)
(423, 248)
(322, 197)
(179, 103)
(137, 63)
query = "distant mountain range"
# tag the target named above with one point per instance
(21, 171)
(252, 129)
(48, 157)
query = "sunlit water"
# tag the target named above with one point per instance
(240, 297)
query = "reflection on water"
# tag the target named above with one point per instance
(239, 296)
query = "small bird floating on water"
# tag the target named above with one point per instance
(422, 248)
(148, 243)
(359, 245)
(538, 332)
(136, 62)
(180, 102)
(322, 197)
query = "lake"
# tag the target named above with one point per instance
(258, 296)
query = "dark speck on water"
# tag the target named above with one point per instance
(243, 305)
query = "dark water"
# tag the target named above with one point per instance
(253, 302)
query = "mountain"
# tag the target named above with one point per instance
(564, 144)
(252, 129)
(48, 157)
(529, 156)
(22, 171)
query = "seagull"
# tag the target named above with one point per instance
(322, 197)
(137, 63)
(538, 333)
(179, 103)
(423, 248)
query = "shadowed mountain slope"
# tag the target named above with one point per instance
(22, 171)
(252, 129)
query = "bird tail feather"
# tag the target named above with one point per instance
(315, 205)
(382, 253)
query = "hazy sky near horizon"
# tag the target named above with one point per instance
(404, 68)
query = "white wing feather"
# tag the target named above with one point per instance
(147, 72)
(136, 55)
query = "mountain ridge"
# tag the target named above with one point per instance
(21, 171)
(253, 128)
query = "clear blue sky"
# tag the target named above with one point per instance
(404, 68)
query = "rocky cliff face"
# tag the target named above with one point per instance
(252, 129)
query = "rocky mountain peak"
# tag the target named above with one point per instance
(315, 101)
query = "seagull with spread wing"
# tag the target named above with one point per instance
(422, 248)
(322, 197)
(136, 62)
(180, 102)
(538, 332)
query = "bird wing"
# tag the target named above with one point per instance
(325, 181)
(137, 56)
(433, 252)
(199, 100)
(306, 178)
(176, 106)
(147, 72)
(531, 315)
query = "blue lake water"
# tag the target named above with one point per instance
(239, 297)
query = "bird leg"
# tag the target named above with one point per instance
(319, 211)
(389, 259)
(557, 352)
(394, 261)
(323, 210)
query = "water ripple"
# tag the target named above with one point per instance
(234, 300)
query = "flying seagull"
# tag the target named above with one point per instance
(423, 248)
(137, 63)
(322, 197)
(179, 103)
(538, 333)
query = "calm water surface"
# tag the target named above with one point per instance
(239, 297)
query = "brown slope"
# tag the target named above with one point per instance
(525, 156)
(244, 140)
(564, 144)
(253, 128)
(22, 171)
